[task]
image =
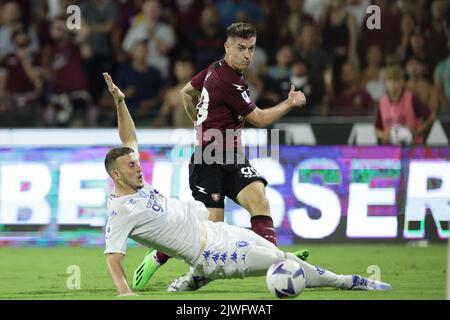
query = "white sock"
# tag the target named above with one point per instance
(319, 277)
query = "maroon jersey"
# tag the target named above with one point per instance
(17, 80)
(67, 67)
(223, 104)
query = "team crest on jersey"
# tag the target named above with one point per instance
(215, 197)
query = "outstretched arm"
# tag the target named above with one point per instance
(262, 118)
(115, 268)
(127, 130)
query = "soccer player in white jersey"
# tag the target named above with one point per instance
(214, 250)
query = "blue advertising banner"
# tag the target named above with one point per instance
(51, 196)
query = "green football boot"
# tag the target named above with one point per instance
(145, 270)
(301, 254)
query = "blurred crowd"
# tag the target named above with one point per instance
(51, 75)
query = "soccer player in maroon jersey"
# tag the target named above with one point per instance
(217, 101)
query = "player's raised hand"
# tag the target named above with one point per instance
(296, 98)
(118, 95)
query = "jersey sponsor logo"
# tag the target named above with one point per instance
(215, 197)
(246, 97)
(155, 202)
(241, 244)
(239, 87)
(249, 172)
(201, 189)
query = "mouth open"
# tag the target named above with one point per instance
(140, 177)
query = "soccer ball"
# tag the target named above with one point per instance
(286, 279)
(401, 135)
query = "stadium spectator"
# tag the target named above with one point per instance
(11, 20)
(407, 28)
(442, 82)
(160, 37)
(372, 76)
(20, 83)
(239, 10)
(172, 113)
(292, 27)
(339, 35)
(416, 48)
(436, 32)
(70, 103)
(142, 84)
(319, 64)
(316, 8)
(358, 8)
(353, 99)
(285, 57)
(399, 107)
(419, 85)
(277, 89)
(417, 8)
(128, 10)
(206, 43)
(182, 228)
(186, 15)
(388, 36)
(99, 18)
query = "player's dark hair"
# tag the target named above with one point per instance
(112, 156)
(241, 30)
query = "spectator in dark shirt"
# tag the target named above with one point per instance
(141, 83)
(206, 43)
(436, 33)
(353, 99)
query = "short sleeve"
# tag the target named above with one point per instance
(198, 80)
(117, 231)
(238, 99)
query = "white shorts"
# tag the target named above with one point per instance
(226, 250)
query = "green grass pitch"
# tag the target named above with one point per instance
(40, 273)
